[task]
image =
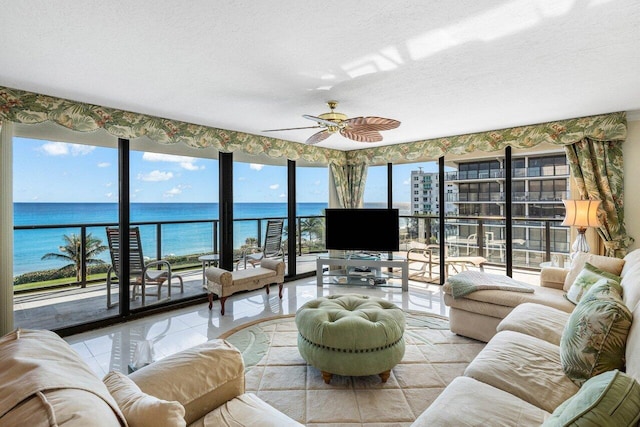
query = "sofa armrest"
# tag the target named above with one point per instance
(200, 378)
(553, 277)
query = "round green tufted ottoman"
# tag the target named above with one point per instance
(351, 335)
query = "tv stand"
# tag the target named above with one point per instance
(367, 271)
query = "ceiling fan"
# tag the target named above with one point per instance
(361, 129)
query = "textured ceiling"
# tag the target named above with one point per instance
(440, 67)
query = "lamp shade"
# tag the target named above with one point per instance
(581, 213)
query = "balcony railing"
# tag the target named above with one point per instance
(184, 239)
(534, 240)
(527, 196)
(530, 172)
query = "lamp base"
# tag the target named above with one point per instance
(580, 245)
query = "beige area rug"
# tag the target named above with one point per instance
(276, 372)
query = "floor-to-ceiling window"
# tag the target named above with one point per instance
(174, 205)
(375, 190)
(259, 194)
(64, 195)
(312, 188)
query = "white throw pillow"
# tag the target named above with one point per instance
(608, 264)
(141, 409)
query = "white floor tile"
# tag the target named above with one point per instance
(112, 348)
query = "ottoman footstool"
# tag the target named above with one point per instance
(351, 335)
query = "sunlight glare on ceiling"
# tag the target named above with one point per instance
(502, 21)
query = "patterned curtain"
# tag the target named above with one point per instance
(349, 181)
(598, 171)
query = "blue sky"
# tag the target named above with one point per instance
(46, 171)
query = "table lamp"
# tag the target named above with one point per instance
(581, 214)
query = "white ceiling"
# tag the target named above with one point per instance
(440, 67)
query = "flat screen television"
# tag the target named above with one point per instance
(369, 230)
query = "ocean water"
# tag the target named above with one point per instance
(177, 239)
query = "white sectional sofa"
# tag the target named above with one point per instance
(45, 383)
(518, 378)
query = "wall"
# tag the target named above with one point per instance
(631, 151)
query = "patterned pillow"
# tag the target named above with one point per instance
(611, 398)
(595, 336)
(587, 277)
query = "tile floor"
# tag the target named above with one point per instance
(113, 348)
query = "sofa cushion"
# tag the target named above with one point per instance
(141, 409)
(524, 366)
(468, 402)
(631, 287)
(611, 398)
(248, 410)
(585, 279)
(594, 338)
(608, 264)
(43, 378)
(209, 375)
(631, 260)
(541, 295)
(536, 320)
(632, 352)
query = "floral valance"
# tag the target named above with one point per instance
(26, 107)
(20, 106)
(604, 127)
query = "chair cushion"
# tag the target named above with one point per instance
(141, 409)
(523, 366)
(594, 338)
(608, 264)
(609, 399)
(587, 277)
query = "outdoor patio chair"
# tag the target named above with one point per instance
(272, 247)
(150, 274)
(424, 263)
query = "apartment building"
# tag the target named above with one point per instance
(539, 183)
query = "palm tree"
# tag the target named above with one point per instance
(72, 251)
(313, 227)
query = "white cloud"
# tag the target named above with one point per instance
(81, 150)
(104, 164)
(255, 166)
(185, 162)
(191, 166)
(406, 182)
(55, 148)
(108, 184)
(316, 183)
(63, 149)
(109, 195)
(282, 196)
(35, 198)
(242, 178)
(155, 176)
(175, 190)
(274, 186)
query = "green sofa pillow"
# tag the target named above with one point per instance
(585, 279)
(595, 336)
(609, 399)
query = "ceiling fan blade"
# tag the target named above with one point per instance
(361, 136)
(277, 130)
(317, 137)
(372, 123)
(319, 120)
